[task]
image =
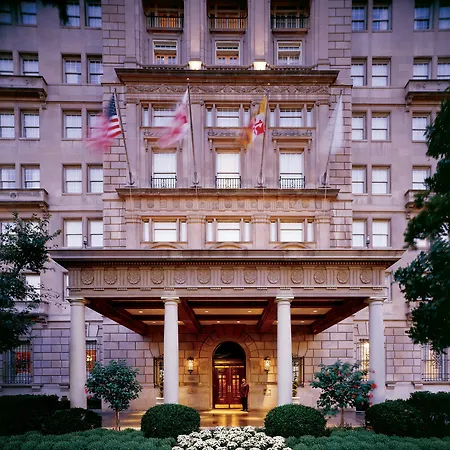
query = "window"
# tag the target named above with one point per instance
(164, 173)
(91, 356)
(359, 182)
(419, 127)
(291, 170)
(380, 73)
(422, 16)
(380, 127)
(73, 14)
(72, 180)
(162, 117)
(73, 234)
(381, 16)
(228, 173)
(288, 230)
(421, 69)
(359, 127)
(358, 73)
(444, 15)
(419, 175)
(5, 14)
(6, 64)
(158, 374)
(34, 282)
(17, 365)
(289, 53)
(96, 233)
(95, 179)
(290, 117)
(291, 231)
(380, 180)
(443, 69)
(434, 365)
(359, 17)
(31, 177)
(165, 231)
(28, 12)
(72, 70)
(145, 117)
(359, 233)
(165, 52)
(95, 70)
(380, 233)
(6, 125)
(94, 123)
(363, 357)
(227, 53)
(94, 13)
(7, 177)
(30, 125)
(72, 125)
(298, 373)
(29, 65)
(227, 117)
(228, 231)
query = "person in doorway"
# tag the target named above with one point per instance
(243, 390)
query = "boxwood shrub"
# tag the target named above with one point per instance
(169, 420)
(294, 420)
(71, 420)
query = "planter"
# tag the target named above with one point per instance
(160, 400)
(296, 400)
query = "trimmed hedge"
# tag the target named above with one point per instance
(294, 420)
(169, 420)
(71, 420)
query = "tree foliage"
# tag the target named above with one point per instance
(23, 249)
(114, 383)
(426, 279)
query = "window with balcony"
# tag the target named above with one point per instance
(5, 14)
(292, 174)
(359, 233)
(7, 177)
(227, 117)
(95, 179)
(227, 16)
(380, 127)
(31, 177)
(419, 175)
(73, 14)
(95, 229)
(227, 53)
(28, 12)
(162, 116)
(165, 52)
(421, 69)
(359, 16)
(289, 230)
(381, 16)
(289, 15)
(380, 73)
(7, 125)
(18, 365)
(95, 66)
(358, 72)
(434, 364)
(381, 180)
(419, 127)
(164, 15)
(73, 125)
(73, 180)
(359, 180)
(164, 170)
(29, 65)
(30, 125)
(73, 233)
(443, 69)
(359, 127)
(238, 230)
(94, 13)
(6, 64)
(289, 53)
(444, 15)
(422, 15)
(380, 233)
(228, 170)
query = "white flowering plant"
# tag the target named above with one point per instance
(222, 438)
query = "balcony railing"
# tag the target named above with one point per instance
(289, 22)
(163, 183)
(292, 183)
(169, 22)
(228, 183)
(228, 23)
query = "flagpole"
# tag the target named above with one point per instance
(260, 180)
(124, 140)
(195, 180)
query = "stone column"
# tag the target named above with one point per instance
(171, 354)
(284, 349)
(377, 351)
(77, 366)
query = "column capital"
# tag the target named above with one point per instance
(77, 301)
(284, 298)
(372, 300)
(170, 298)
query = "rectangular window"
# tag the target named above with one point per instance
(94, 13)
(419, 175)
(421, 69)
(380, 233)
(359, 233)
(5, 14)
(95, 179)
(289, 53)
(165, 52)
(73, 14)
(380, 127)
(18, 365)
(7, 125)
(422, 16)
(72, 125)
(164, 231)
(30, 125)
(358, 73)
(73, 233)
(444, 15)
(31, 177)
(96, 233)
(359, 127)
(227, 117)
(298, 374)
(94, 120)
(291, 231)
(28, 12)
(72, 70)
(363, 356)
(228, 231)
(434, 365)
(359, 180)
(72, 180)
(29, 65)
(359, 16)
(381, 16)
(91, 356)
(380, 73)
(145, 116)
(95, 74)
(162, 117)
(228, 172)
(443, 69)
(380, 180)
(6, 64)
(290, 117)
(292, 175)
(34, 282)
(7, 177)
(419, 127)
(164, 173)
(227, 53)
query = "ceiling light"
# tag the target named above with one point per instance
(206, 311)
(238, 321)
(218, 321)
(153, 322)
(315, 310)
(140, 311)
(249, 310)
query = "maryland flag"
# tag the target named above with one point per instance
(255, 126)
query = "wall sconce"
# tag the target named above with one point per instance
(267, 364)
(190, 364)
(259, 65)
(195, 64)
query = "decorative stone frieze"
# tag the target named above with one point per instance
(110, 276)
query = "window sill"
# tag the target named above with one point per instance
(418, 142)
(29, 25)
(421, 31)
(70, 139)
(387, 194)
(381, 31)
(71, 193)
(359, 140)
(29, 139)
(8, 139)
(383, 141)
(365, 194)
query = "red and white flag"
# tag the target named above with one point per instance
(179, 125)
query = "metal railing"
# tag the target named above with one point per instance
(17, 367)
(173, 22)
(292, 183)
(289, 22)
(227, 23)
(163, 183)
(228, 183)
(434, 365)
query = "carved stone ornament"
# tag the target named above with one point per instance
(343, 276)
(366, 276)
(228, 204)
(204, 276)
(189, 204)
(305, 204)
(297, 276)
(110, 276)
(273, 276)
(224, 133)
(133, 276)
(180, 276)
(157, 276)
(292, 133)
(87, 276)
(227, 276)
(250, 276)
(320, 275)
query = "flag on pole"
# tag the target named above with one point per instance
(259, 126)
(179, 125)
(255, 126)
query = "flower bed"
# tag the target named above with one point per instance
(222, 438)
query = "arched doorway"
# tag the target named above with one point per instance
(228, 371)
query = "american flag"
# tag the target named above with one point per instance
(106, 129)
